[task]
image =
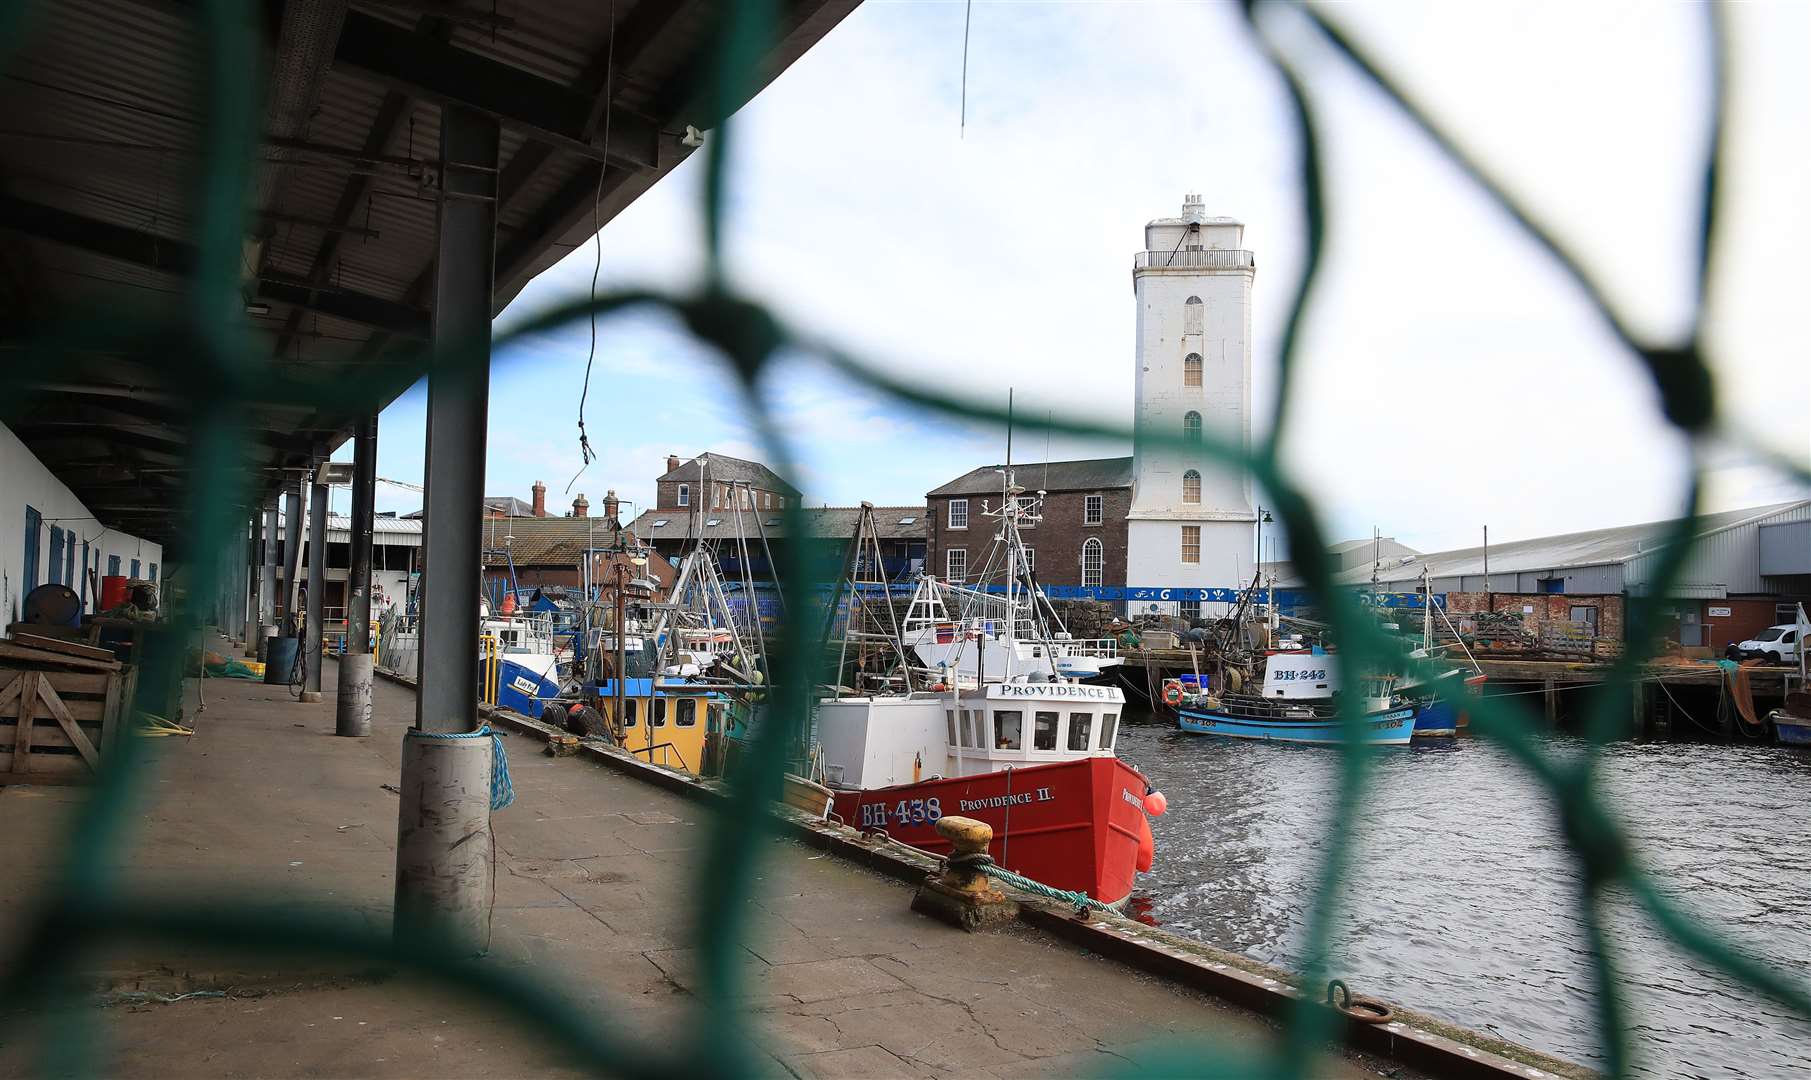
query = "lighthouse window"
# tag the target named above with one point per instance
(1108, 725)
(1081, 725)
(1191, 427)
(1191, 315)
(1043, 734)
(950, 716)
(1009, 730)
(1191, 487)
(1191, 370)
(1091, 510)
(1191, 544)
(688, 713)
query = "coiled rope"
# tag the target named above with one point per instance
(502, 792)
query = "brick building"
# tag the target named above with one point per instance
(709, 482)
(1080, 538)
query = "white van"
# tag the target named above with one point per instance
(1776, 644)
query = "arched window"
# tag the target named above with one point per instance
(1191, 315)
(1191, 369)
(1191, 487)
(1191, 427)
(1094, 560)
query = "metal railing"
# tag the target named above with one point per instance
(91, 907)
(1196, 259)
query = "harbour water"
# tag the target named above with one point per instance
(1463, 901)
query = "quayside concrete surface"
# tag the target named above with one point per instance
(596, 874)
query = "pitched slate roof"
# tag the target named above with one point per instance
(543, 541)
(722, 468)
(1092, 474)
(821, 522)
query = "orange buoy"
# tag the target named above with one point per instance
(1155, 804)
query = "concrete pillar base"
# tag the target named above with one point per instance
(311, 697)
(262, 645)
(352, 711)
(443, 844)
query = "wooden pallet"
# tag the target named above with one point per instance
(59, 711)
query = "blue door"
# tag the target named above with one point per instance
(134, 569)
(69, 558)
(34, 524)
(113, 566)
(56, 555)
(85, 565)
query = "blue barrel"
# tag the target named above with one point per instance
(279, 659)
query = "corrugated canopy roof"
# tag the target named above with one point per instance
(1594, 547)
(105, 129)
(1092, 474)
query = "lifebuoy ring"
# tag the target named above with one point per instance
(1172, 693)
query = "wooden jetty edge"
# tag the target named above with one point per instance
(1412, 1039)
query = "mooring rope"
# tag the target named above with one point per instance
(1080, 901)
(502, 792)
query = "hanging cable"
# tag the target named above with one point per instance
(586, 456)
(968, 10)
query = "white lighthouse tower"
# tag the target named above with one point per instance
(1191, 522)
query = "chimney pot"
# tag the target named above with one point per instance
(610, 505)
(672, 462)
(540, 499)
(581, 508)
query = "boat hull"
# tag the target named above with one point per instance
(1437, 717)
(522, 689)
(1792, 730)
(1394, 727)
(1073, 825)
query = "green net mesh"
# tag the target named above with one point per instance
(206, 336)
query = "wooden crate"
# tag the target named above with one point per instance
(59, 713)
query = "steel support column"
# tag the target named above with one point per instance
(443, 851)
(352, 709)
(310, 656)
(267, 585)
(249, 585)
(292, 555)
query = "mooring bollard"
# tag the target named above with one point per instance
(960, 894)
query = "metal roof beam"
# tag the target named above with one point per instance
(178, 257)
(539, 108)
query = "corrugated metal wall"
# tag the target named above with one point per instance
(1723, 563)
(1786, 548)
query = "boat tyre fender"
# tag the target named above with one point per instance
(1363, 1010)
(1172, 694)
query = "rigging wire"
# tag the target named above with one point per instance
(586, 455)
(968, 9)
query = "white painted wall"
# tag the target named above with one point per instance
(24, 481)
(1162, 287)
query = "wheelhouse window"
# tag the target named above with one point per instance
(685, 494)
(1191, 315)
(949, 715)
(1094, 561)
(1093, 508)
(972, 723)
(1191, 544)
(688, 712)
(631, 712)
(1191, 427)
(958, 513)
(1009, 730)
(1191, 369)
(1081, 725)
(1043, 732)
(956, 564)
(1109, 725)
(660, 712)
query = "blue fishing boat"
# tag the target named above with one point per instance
(1239, 717)
(1792, 722)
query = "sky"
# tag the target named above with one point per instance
(1449, 378)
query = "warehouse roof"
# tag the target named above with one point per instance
(108, 126)
(1093, 474)
(1593, 547)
